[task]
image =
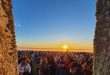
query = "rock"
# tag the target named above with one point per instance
(102, 38)
(8, 52)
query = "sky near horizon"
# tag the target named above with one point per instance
(52, 23)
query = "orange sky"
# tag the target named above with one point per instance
(86, 46)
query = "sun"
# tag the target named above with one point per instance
(65, 46)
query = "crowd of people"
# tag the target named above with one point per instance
(55, 63)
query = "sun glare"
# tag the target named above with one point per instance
(65, 46)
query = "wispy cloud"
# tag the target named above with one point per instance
(17, 24)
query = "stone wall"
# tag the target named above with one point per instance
(8, 53)
(102, 38)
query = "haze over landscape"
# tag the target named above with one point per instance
(53, 23)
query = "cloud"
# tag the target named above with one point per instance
(17, 24)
